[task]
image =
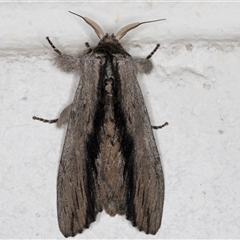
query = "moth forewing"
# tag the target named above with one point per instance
(109, 159)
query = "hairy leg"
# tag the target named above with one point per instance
(65, 62)
(144, 65)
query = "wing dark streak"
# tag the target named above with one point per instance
(109, 160)
(145, 181)
(76, 191)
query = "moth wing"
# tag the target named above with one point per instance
(144, 173)
(76, 196)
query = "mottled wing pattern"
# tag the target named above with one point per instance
(143, 170)
(76, 201)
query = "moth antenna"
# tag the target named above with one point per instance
(94, 25)
(123, 31)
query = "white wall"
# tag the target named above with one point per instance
(195, 86)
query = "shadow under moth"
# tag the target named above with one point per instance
(109, 159)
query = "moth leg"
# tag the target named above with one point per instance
(65, 62)
(144, 65)
(54, 48)
(153, 51)
(64, 115)
(161, 126)
(88, 48)
(63, 118)
(44, 120)
(87, 45)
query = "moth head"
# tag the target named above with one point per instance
(121, 33)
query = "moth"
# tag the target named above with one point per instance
(109, 159)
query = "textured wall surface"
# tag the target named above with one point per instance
(195, 86)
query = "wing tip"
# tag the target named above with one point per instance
(146, 228)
